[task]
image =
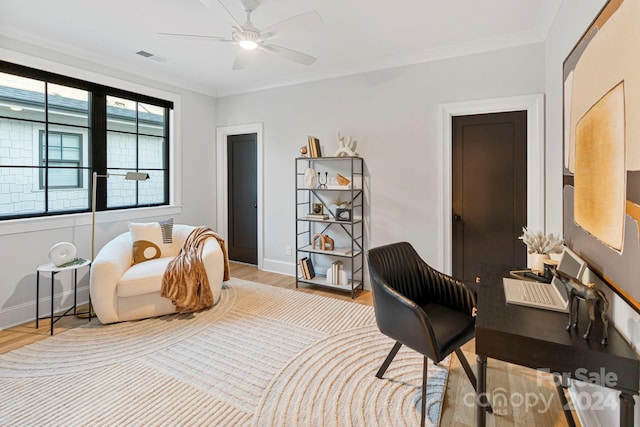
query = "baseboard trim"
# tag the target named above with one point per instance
(281, 267)
(26, 312)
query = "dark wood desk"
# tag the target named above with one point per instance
(537, 339)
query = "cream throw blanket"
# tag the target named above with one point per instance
(185, 280)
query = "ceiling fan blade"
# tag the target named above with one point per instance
(290, 54)
(211, 4)
(242, 60)
(197, 37)
(303, 21)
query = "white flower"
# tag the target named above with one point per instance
(538, 243)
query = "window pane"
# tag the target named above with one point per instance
(151, 191)
(18, 193)
(151, 120)
(70, 143)
(121, 114)
(68, 199)
(151, 151)
(21, 97)
(121, 150)
(17, 143)
(64, 177)
(120, 192)
(68, 105)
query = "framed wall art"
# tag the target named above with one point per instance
(601, 150)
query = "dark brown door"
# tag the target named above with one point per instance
(489, 193)
(243, 197)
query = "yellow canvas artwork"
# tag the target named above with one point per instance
(600, 171)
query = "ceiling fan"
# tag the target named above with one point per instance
(249, 38)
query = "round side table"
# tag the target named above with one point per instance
(51, 268)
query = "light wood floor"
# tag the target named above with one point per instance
(526, 395)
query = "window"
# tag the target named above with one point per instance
(55, 131)
(63, 153)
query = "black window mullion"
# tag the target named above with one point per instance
(166, 155)
(46, 147)
(98, 146)
(137, 151)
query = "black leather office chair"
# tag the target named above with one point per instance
(417, 306)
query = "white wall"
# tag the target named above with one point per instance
(394, 118)
(24, 244)
(572, 20)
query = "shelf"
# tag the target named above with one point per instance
(355, 190)
(330, 221)
(329, 158)
(319, 280)
(309, 249)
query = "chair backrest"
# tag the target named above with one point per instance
(398, 266)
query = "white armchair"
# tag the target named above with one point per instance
(121, 291)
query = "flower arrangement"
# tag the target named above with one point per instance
(538, 243)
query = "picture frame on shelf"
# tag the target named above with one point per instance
(317, 209)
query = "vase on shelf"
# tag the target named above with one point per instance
(537, 263)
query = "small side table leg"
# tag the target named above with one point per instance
(37, 298)
(626, 410)
(75, 290)
(481, 403)
(53, 274)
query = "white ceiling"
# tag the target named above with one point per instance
(356, 35)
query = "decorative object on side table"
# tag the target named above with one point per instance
(62, 253)
(540, 246)
(595, 299)
(346, 148)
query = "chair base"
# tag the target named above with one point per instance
(461, 357)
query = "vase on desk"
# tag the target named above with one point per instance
(537, 263)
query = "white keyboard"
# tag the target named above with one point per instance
(535, 292)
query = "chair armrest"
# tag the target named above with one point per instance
(113, 260)
(401, 318)
(450, 292)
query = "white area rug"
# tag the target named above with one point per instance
(264, 356)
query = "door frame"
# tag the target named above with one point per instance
(222, 190)
(534, 106)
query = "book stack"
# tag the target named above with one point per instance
(336, 275)
(306, 268)
(317, 216)
(336, 266)
(314, 146)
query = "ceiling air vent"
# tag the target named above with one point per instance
(151, 56)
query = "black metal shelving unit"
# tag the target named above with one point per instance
(348, 235)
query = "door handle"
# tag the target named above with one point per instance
(457, 218)
(255, 206)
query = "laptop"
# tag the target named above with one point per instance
(548, 296)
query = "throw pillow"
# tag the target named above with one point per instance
(151, 240)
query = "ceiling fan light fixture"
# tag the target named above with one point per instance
(248, 44)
